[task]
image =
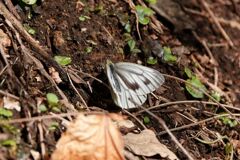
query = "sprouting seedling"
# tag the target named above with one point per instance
(132, 46)
(63, 60)
(83, 18)
(194, 85)
(53, 101)
(151, 1)
(151, 60)
(29, 2)
(143, 14)
(168, 56)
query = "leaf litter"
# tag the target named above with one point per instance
(90, 137)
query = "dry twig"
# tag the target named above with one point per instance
(222, 31)
(161, 121)
(197, 123)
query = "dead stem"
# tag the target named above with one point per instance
(197, 123)
(41, 139)
(222, 31)
(8, 95)
(133, 116)
(161, 121)
(74, 88)
(186, 102)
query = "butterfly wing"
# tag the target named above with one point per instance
(131, 83)
(142, 80)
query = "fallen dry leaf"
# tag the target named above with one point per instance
(10, 103)
(90, 137)
(146, 144)
(125, 123)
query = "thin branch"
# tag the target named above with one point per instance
(187, 102)
(74, 88)
(161, 121)
(224, 34)
(197, 123)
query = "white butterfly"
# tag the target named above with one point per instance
(130, 83)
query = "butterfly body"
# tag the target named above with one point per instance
(130, 83)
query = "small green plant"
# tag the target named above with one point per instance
(5, 113)
(127, 27)
(29, 2)
(152, 60)
(151, 1)
(9, 143)
(228, 121)
(63, 60)
(168, 56)
(53, 102)
(132, 46)
(229, 149)
(29, 29)
(83, 18)
(53, 126)
(42, 108)
(143, 14)
(10, 129)
(88, 49)
(194, 85)
(146, 120)
(216, 95)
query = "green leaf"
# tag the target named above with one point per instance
(99, 8)
(228, 148)
(5, 113)
(29, 2)
(52, 99)
(53, 126)
(197, 91)
(143, 14)
(9, 143)
(56, 109)
(88, 49)
(63, 60)
(188, 72)
(227, 121)
(83, 18)
(136, 50)
(216, 95)
(10, 129)
(152, 60)
(127, 27)
(127, 37)
(146, 120)
(29, 29)
(168, 56)
(131, 43)
(151, 1)
(42, 108)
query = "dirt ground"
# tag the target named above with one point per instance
(203, 35)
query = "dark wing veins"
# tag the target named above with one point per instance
(114, 75)
(133, 86)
